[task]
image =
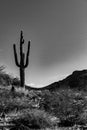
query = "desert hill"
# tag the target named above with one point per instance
(77, 80)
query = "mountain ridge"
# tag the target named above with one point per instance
(78, 79)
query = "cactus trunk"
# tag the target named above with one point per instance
(22, 77)
(22, 65)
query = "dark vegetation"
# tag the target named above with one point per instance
(5, 79)
(44, 108)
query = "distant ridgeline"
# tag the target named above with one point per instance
(77, 80)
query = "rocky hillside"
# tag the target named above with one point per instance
(78, 79)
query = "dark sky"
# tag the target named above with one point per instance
(58, 33)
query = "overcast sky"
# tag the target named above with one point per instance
(58, 33)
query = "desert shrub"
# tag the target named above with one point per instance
(67, 105)
(16, 81)
(34, 119)
(46, 99)
(17, 103)
(5, 79)
(21, 91)
(9, 101)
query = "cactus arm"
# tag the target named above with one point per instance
(27, 55)
(15, 55)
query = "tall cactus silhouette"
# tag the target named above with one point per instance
(22, 64)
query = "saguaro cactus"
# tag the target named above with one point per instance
(22, 64)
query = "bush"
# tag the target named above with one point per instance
(9, 101)
(34, 119)
(16, 81)
(5, 79)
(67, 105)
